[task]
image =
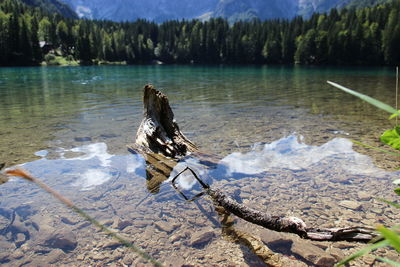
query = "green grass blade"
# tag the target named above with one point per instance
(386, 260)
(366, 98)
(394, 115)
(392, 237)
(376, 148)
(362, 252)
(390, 203)
(397, 191)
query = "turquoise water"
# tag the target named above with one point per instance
(283, 136)
(62, 104)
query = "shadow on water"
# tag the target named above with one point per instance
(89, 166)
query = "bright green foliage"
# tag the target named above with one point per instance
(389, 261)
(366, 98)
(391, 236)
(393, 204)
(389, 137)
(397, 191)
(363, 252)
(378, 149)
(392, 137)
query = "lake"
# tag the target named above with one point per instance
(282, 133)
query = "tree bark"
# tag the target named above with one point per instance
(158, 131)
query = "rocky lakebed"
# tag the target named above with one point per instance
(327, 185)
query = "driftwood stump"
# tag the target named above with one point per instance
(162, 144)
(158, 131)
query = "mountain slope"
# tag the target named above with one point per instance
(161, 10)
(52, 6)
(247, 9)
(307, 7)
(128, 10)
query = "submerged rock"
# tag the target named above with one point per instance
(70, 220)
(165, 226)
(201, 238)
(63, 239)
(83, 139)
(364, 195)
(312, 253)
(55, 256)
(120, 224)
(354, 205)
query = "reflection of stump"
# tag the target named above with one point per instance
(158, 169)
(158, 131)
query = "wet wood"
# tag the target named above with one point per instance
(290, 224)
(158, 131)
(158, 167)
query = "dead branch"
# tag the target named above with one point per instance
(290, 224)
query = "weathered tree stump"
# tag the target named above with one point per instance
(158, 131)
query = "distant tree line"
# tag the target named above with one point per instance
(368, 36)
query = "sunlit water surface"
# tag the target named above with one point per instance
(282, 134)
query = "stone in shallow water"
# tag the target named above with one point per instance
(142, 223)
(165, 226)
(20, 239)
(276, 241)
(55, 256)
(364, 196)
(4, 257)
(112, 244)
(110, 135)
(354, 205)
(201, 238)
(120, 224)
(336, 253)
(63, 239)
(70, 220)
(312, 253)
(17, 254)
(83, 139)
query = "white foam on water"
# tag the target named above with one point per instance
(97, 150)
(290, 153)
(93, 166)
(92, 178)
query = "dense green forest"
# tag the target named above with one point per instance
(368, 36)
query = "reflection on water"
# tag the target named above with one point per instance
(290, 153)
(92, 165)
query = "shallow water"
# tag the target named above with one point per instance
(283, 136)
